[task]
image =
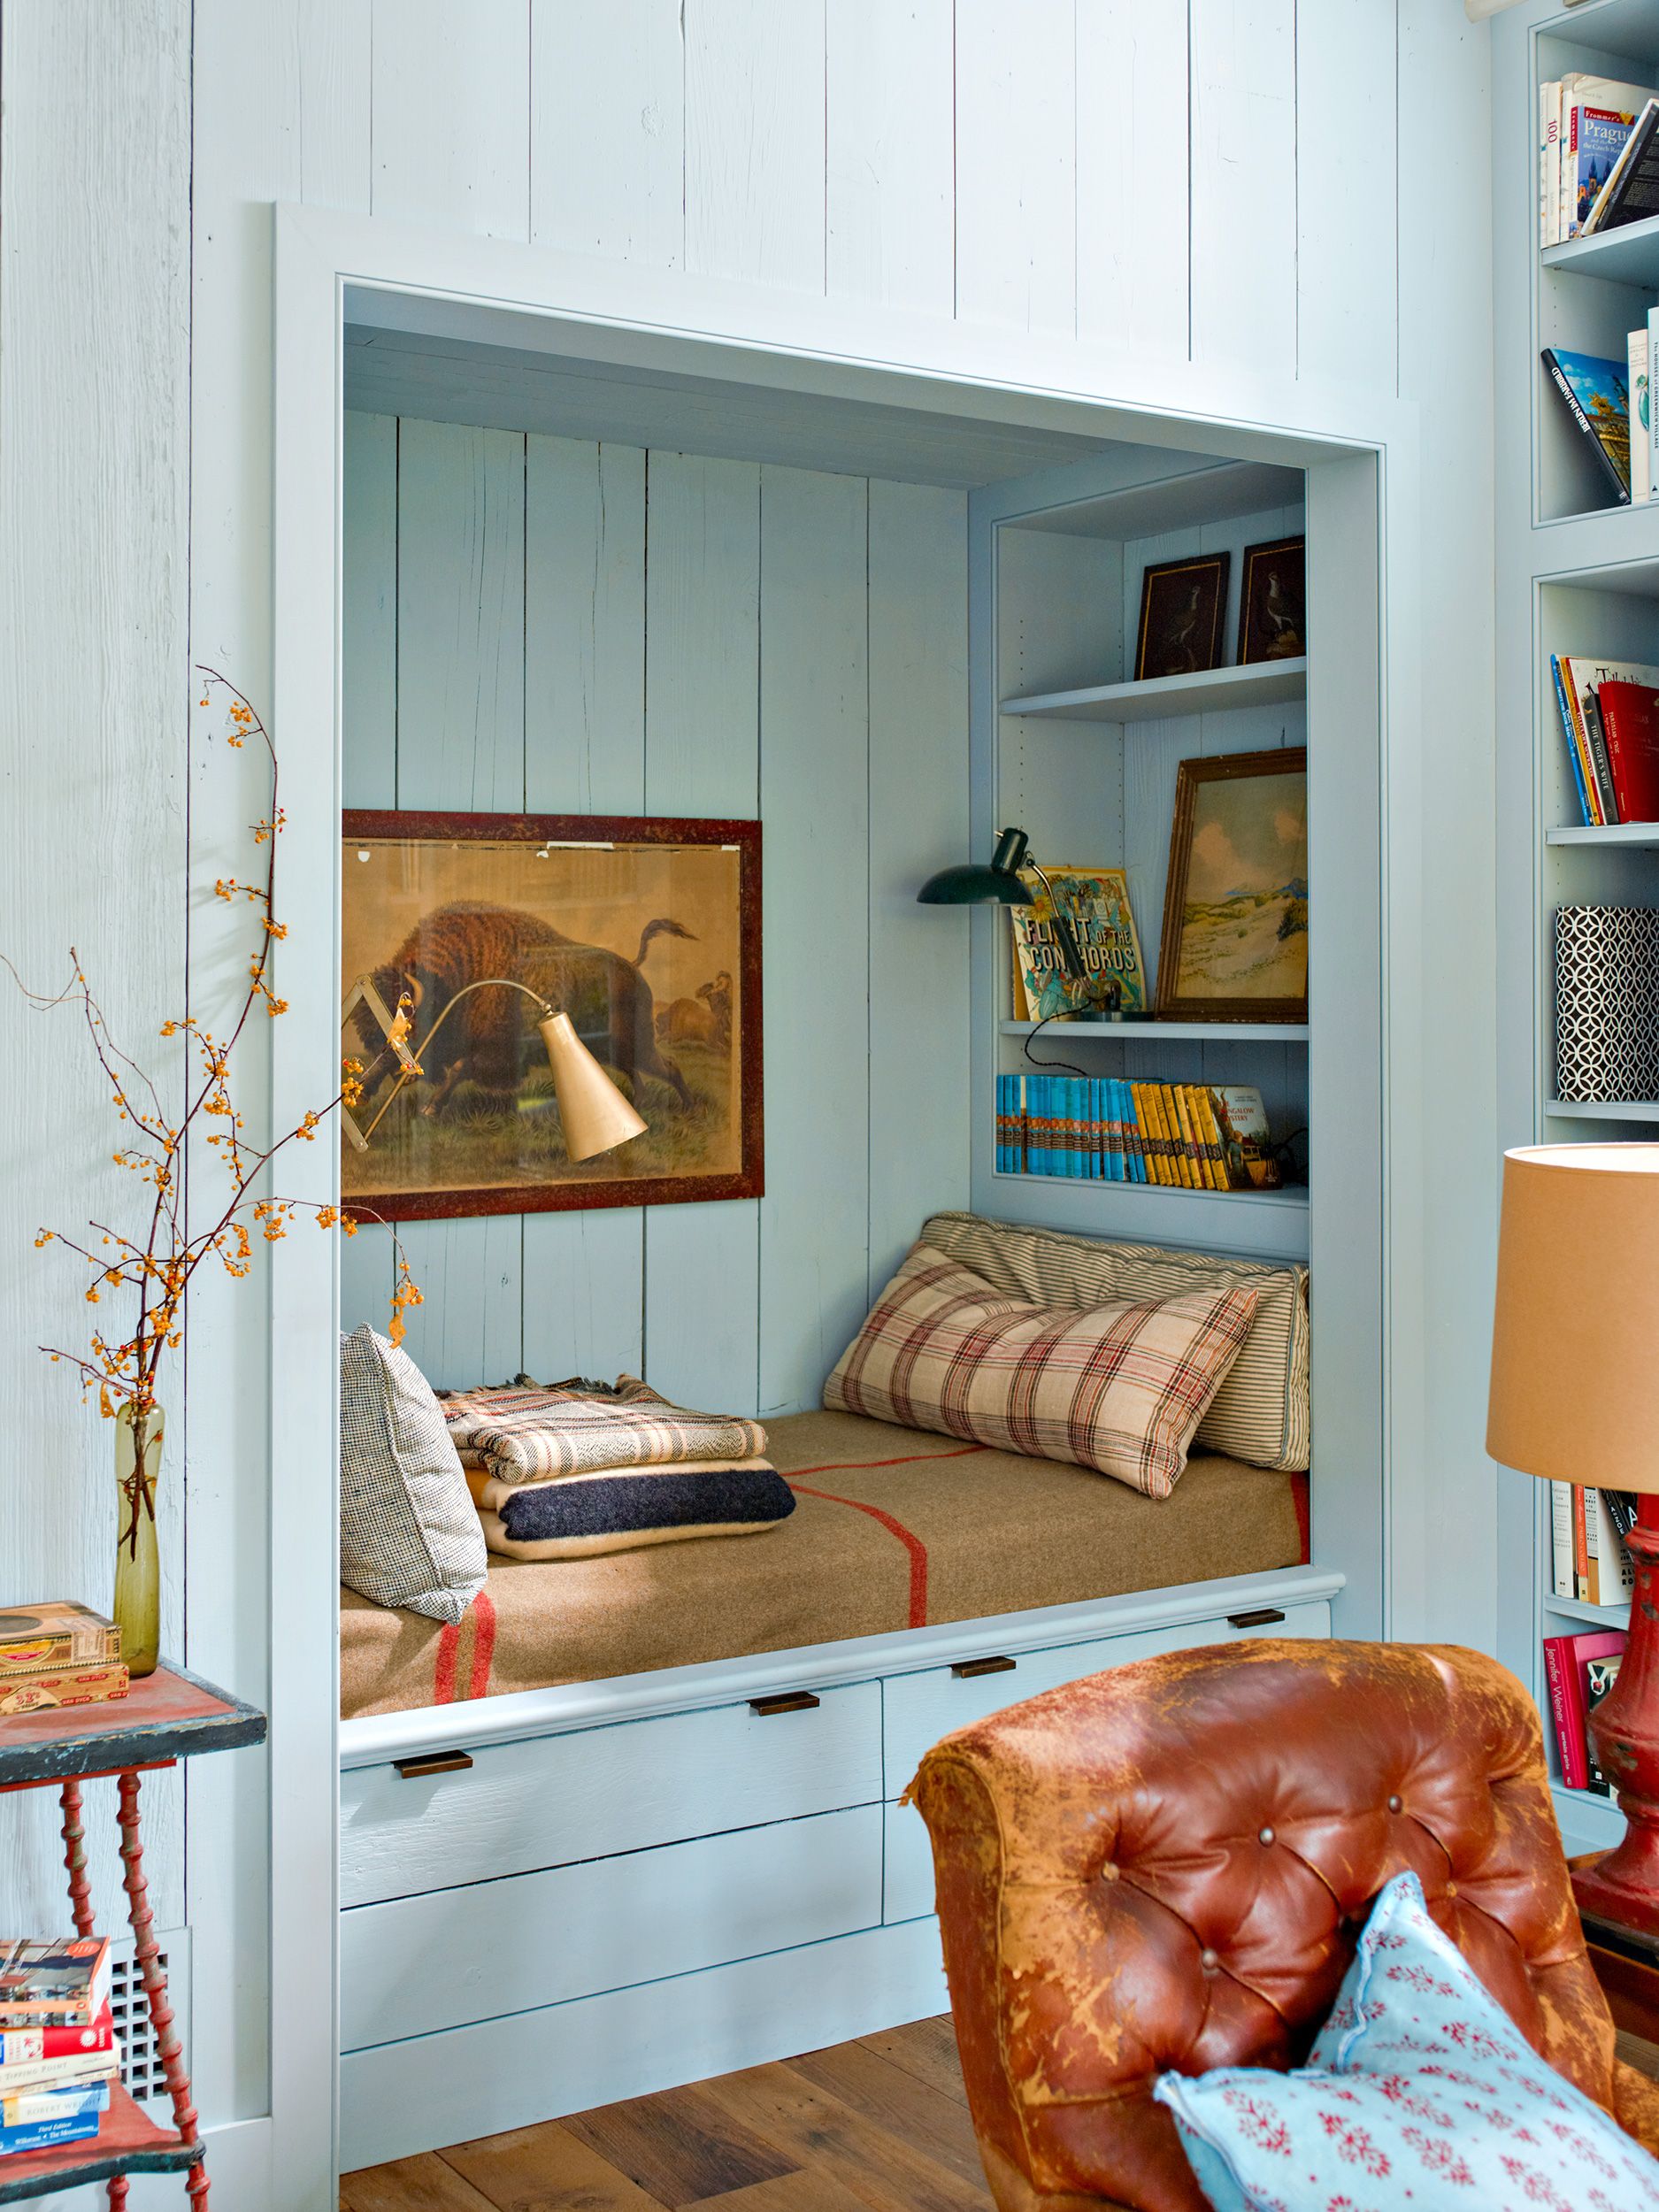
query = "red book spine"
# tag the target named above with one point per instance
(1570, 1738)
(1630, 724)
(27, 2045)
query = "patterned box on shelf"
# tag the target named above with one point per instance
(1607, 1003)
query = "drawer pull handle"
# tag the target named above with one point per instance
(1260, 1618)
(789, 1702)
(967, 1669)
(433, 1762)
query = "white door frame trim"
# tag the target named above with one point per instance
(594, 308)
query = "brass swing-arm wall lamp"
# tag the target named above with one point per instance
(971, 884)
(593, 1112)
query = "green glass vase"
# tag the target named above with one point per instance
(137, 1607)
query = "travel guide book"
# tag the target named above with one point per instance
(1598, 399)
(53, 1985)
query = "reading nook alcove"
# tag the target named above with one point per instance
(636, 1818)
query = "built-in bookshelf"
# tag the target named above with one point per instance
(1085, 760)
(1576, 575)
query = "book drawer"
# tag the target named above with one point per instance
(629, 1786)
(418, 1964)
(919, 1708)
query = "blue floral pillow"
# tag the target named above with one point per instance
(1420, 2093)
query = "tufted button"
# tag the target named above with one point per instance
(1266, 1836)
(1396, 1805)
(1209, 1962)
(1451, 1889)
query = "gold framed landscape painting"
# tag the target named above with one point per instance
(646, 933)
(1234, 945)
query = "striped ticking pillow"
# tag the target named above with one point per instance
(1261, 1411)
(620, 1511)
(1118, 1387)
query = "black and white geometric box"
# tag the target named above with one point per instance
(1607, 1003)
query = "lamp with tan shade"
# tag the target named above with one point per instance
(1574, 1398)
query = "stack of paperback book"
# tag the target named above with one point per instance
(1190, 1136)
(1588, 1528)
(1598, 164)
(57, 2050)
(1609, 717)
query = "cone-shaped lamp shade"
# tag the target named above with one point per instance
(1575, 1381)
(595, 1115)
(974, 883)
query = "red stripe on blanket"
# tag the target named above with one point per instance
(911, 1542)
(483, 1643)
(905, 1459)
(443, 1663)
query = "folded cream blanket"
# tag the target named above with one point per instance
(526, 1433)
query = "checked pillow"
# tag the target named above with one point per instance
(1420, 2094)
(1120, 1387)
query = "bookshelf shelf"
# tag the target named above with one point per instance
(1627, 256)
(1629, 836)
(1594, 1615)
(1605, 1109)
(1210, 691)
(1167, 1033)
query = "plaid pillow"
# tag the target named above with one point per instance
(1120, 1387)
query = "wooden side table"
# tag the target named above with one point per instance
(169, 1717)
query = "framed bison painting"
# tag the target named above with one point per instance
(645, 932)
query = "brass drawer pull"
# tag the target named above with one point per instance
(966, 1669)
(789, 1702)
(1260, 1618)
(433, 1763)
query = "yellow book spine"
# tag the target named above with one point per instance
(1208, 1138)
(1192, 1154)
(1145, 1110)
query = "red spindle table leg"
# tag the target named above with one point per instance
(75, 1859)
(184, 2115)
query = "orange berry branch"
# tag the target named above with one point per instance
(156, 1268)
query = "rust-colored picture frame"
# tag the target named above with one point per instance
(607, 977)
(1183, 614)
(1259, 910)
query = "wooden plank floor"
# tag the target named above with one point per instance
(877, 2126)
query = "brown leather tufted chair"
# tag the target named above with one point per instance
(1166, 1867)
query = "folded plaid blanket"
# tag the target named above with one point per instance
(528, 1433)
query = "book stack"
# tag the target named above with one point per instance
(58, 2055)
(1580, 1671)
(1597, 163)
(1609, 717)
(58, 1654)
(1588, 1528)
(1188, 1136)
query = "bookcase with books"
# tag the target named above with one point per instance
(1576, 316)
(1142, 1120)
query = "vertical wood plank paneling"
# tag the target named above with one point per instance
(703, 1262)
(460, 745)
(1347, 163)
(814, 697)
(1015, 164)
(280, 112)
(1133, 249)
(460, 619)
(583, 641)
(369, 763)
(607, 130)
(891, 152)
(918, 822)
(451, 113)
(94, 707)
(1244, 183)
(754, 141)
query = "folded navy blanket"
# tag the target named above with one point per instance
(620, 1510)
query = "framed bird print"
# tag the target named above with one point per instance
(467, 939)
(1183, 608)
(1273, 616)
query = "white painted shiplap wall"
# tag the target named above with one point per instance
(1302, 186)
(545, 625)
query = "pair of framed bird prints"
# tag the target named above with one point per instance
(1184, 608)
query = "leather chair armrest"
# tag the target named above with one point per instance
(1636, 2105)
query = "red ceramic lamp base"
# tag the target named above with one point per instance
(1622, 1885)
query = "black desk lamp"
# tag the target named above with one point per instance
(970, 884)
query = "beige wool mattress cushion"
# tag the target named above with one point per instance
(894, 1528)
(1261, 1411)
